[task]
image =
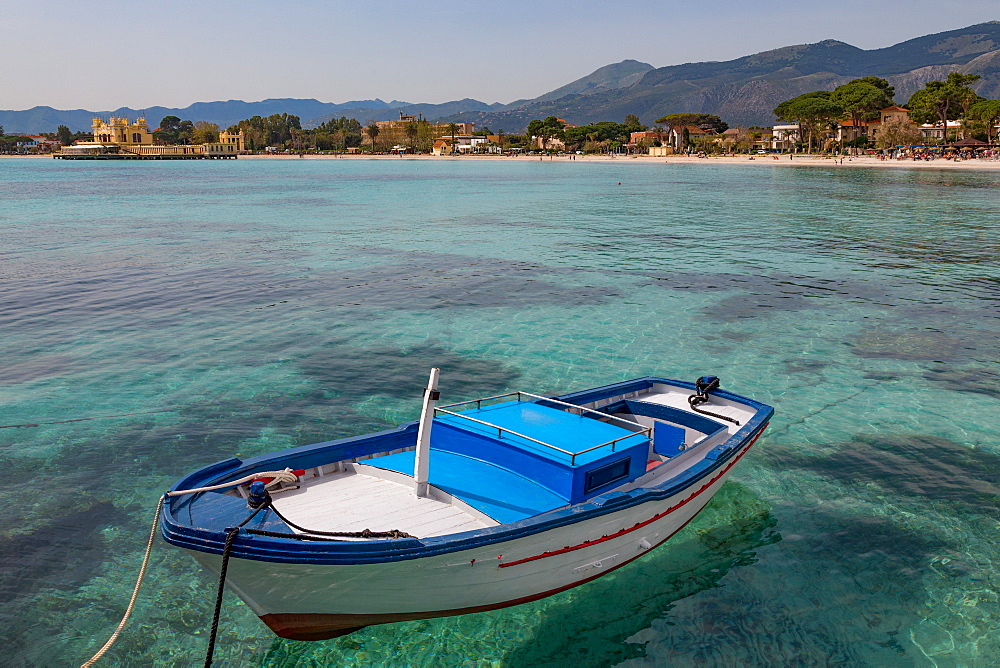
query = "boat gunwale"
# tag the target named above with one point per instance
(260, 548)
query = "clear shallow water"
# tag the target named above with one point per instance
(233, 308)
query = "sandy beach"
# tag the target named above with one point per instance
(756, 160)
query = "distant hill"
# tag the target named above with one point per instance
(746, 90)
(47, 119)
(743, 91)
(311, 113)
(392, 112)
(607, 78)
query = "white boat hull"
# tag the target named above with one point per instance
(314, 601)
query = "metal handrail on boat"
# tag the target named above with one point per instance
(612, 442)
(589, 410)
(479, 404)
(647, 431)
(500, 430)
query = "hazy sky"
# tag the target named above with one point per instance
(101, 55)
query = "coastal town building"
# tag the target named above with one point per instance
(396, 131)
(784, 137)
(932, 131)
(121, 132)
(442, 147)
(235, 139)
(459, 144)
(638, 141)
(39, 144)
(117, 138)
(848, 131)
(682, 136)
(548, 143)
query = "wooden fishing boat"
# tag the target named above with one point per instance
(476, 506)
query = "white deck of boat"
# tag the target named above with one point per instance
(679, 399)
(348, 501)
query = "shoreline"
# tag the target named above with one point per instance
(756, 160)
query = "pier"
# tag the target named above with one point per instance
(136, 156)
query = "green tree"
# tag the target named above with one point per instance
(813, 112)
(862, 99)
(897, 132)
(184, 131)
(204, 133)
(411, 131)
(703, 121)
(943, 101)
(601, 133)
(274, 130)
(633, 124)
(167, 132)
(169, 123)
(373, 132)
(547, 129)
(344, 132)
(64, 135)
(987, 114)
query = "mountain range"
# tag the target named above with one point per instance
(743, 91)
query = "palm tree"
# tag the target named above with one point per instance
(373, 131)
(453, 129)
(411, 133)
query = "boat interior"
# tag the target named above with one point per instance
(503, 459)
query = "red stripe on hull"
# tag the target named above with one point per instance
(643, 523)
(321, 626)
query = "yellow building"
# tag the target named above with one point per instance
(118, 138)
(235, 139)
(120, 131)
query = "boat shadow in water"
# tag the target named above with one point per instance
(591, 626)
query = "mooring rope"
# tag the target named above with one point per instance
(286, 476)
(696, 399)
(135, 592)
(230, 537)
(279, 476)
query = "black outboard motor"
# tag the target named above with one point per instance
(702, 387)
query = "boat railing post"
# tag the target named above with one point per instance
(421, 459)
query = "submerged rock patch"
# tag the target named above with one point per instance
(913, 345)
(918, 466)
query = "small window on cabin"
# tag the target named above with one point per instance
(607, 474)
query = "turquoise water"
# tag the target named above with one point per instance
(234, 308)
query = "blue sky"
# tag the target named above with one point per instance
(106, 54)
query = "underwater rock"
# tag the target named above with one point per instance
(402, 373)
(917, 466)
(974, 380)
(909, 345)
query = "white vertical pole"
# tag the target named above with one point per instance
(422, 459)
